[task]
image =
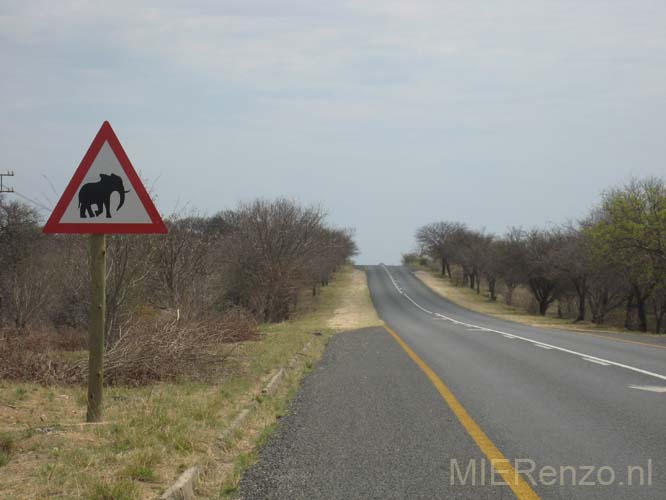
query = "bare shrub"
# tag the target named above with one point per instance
(152, 350)
(22, 361)
(273, 250)
(185, 275)
(149, 350)
(48, 340)
(26, 277)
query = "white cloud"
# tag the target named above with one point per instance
(365, 87)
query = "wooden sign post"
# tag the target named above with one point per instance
(104, 172)
(96, 326)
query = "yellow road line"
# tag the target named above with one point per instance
(521, 489)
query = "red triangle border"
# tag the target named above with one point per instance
(105, 134)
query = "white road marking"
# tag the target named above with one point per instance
(526, 339)
(602, 363)
(543, 346)
(650, 388)
(508, 336)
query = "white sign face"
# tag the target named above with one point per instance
(99, 198)
(105, 195)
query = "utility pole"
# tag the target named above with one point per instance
(3, 188)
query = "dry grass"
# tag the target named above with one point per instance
(152, 433)
(356, 309)
(469, 299)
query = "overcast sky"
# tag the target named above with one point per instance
(391, 114)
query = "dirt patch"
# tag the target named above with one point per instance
(356, 309)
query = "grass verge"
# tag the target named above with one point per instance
(468, 298)
(153, 433)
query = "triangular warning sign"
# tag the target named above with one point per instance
(105, 195)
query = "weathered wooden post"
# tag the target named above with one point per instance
(85, 208)
(96, 326)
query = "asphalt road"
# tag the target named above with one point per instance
(580, 415)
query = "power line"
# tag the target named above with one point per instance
(34, 202)
(6, 189)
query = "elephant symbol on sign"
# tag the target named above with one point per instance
(99, 193)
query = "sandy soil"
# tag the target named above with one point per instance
(356, 309)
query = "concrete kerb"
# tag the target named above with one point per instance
(235, 424)
(274, 383)
(183, 488)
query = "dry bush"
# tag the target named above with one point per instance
(152, 350)
(274, 249)
(24, 360)
(149, 350)
(40, 355)
(49, 340)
